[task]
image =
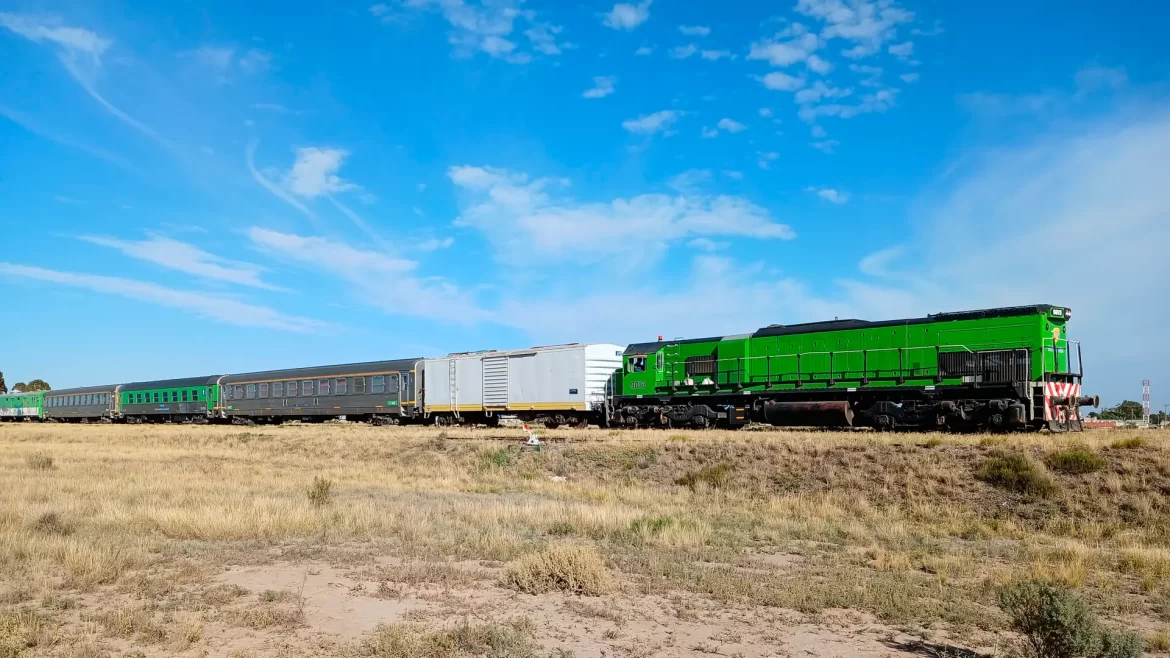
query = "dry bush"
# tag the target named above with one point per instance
(1056, 624)
(22, 632)
(488, 640)
(1015, 471)
(321, 492)
(1076, 460)
(51, 523)
(264, 616)
(570, 568)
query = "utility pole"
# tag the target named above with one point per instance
(1146, 401)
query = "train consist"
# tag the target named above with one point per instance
(999, 369)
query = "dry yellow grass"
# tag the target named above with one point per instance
(895, 525)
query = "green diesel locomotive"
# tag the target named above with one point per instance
(998, 369)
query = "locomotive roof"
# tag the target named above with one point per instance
(842, 325)
(325, 371)
(206, 380)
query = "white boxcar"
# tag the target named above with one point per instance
(557, 384)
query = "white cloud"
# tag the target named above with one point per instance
(766, 158)
(784, 53)
(829, 194)
(222, 60)
(375, 278)
(485, 27)
(683, 52)
(868, 24)
(694, 30)
(716, 55)
(873, 74)
(765, 111)
(731, 125)
(691, 180)
(602, 87)
(314, 173)
(826, 146)
(819, 91)
(187, 258)
(525, 220)
(818, 132)
(627, 16)
(48, 28)
(709, 133)
(652, 123)
(733, 174)
(910, 78)
(224, 309)
(277, 190)
(708, 245)
(990, 104)
(879, 101)
(818, 65)
(779, 81)
(644, 50)
(902, 50)
(434, 244)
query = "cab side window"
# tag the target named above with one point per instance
(638, 364)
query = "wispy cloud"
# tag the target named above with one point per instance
(649, 124)
(487, 27)
(49, 28)
(524, 217)
(602, 87)
(829, 194)
(29, 123)
(731, 125)
(277, 190)
(314, 173)
(216, 307)
(383, 281)
(627, 16)
(187, 258)
(683, 52)
(694, 30)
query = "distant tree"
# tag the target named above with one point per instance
(1127, 410)
(37, 385)
(20, 387)
(3, 386)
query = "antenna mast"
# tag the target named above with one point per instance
(1146, 401)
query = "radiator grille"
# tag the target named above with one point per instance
(992, 366)
(701, 365)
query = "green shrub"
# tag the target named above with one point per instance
(321, 493)
(1076, 460)
(713, 476)
(1130, 443)
(1055, 623)
(499, 458)
(1016, 472)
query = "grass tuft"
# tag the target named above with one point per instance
(1076, 460)
(51, 523)
(569, 568)
(321, 492)
(1014, 471)
(40, 461)
(1130, 443)
(714, 477)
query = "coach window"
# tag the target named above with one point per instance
(138, 398)
(227, 393)
(291, 390)
(391, 383)
(195, 395)
(239, 391)
(359, 385)
(184, 395)
(166, 396)
(340, 387)
(378, 384)
(322, 387)
(277, 389)
(250, 391)
(264, 390)
(307, 388)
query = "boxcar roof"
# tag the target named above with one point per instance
(206, 380)
(83, 389)
(368, 367)
(841, 325)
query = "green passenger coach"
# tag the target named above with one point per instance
(22, 406)
(1005, 368)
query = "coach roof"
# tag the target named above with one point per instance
(342, 370)
(186, 382)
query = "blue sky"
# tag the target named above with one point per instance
(216, 187)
